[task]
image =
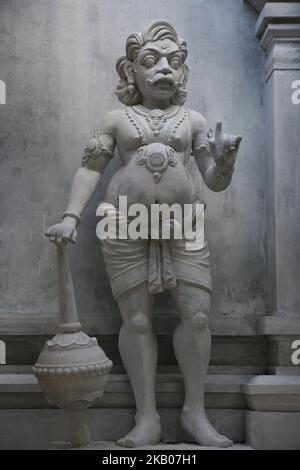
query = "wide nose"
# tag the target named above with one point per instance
(163, 66)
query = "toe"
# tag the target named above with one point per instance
(226, 442)
(120, 442)
(126, 442)
(130, 443)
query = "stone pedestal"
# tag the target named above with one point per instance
(281, 331)
(273, 421)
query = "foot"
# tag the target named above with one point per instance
(198, 426)
(146, 432)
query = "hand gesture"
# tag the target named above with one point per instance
(223, 148)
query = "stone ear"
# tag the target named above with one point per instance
(185, 76)
(129, 72)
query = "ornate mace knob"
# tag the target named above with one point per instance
(72, 369)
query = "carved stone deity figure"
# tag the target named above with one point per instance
(157, 138)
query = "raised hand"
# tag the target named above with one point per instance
(223, 148)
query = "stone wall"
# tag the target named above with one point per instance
(58, 61)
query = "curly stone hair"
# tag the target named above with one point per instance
(158, 30)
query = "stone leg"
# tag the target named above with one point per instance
(138, 348)
(192, 345)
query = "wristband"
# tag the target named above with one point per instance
(72, 214)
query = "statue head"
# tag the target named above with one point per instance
(154, 66)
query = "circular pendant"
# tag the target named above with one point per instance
(156, 157)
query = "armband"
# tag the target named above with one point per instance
(96, 155)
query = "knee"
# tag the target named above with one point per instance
(197, 321)
(138, 324)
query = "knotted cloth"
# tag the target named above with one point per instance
(158, 262)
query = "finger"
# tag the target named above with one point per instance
(232, 140)
(98, 132)
(226, 143)
(210, 134)
(74, 237)
(212, 145)
(218, 132)
(238, 141)
(67, 236)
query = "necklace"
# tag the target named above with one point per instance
(156, 118)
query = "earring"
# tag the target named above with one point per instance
(131, 88)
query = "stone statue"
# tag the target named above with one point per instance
(157, 138)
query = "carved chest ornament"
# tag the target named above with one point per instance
(156, 118)
(156, 157)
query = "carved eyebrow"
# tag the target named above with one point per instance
(155, 51)
(146, 51)
(175, 53)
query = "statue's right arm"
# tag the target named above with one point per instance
(97, 156)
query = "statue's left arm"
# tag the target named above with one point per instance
(215, 153)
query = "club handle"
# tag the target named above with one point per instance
(68, 316)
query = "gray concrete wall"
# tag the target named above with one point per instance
(57, 58)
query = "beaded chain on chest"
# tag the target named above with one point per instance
(155, 119)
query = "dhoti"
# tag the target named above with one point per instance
(160, 263)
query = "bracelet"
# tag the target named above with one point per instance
(74, 215)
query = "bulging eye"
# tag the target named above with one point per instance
(175, 63)
(149, 61)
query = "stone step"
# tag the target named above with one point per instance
(161, 369)
(38, 428)
(226, 351)
(222, 391)
(31, 423)
(106, 445)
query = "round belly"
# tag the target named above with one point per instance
(153, 182)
